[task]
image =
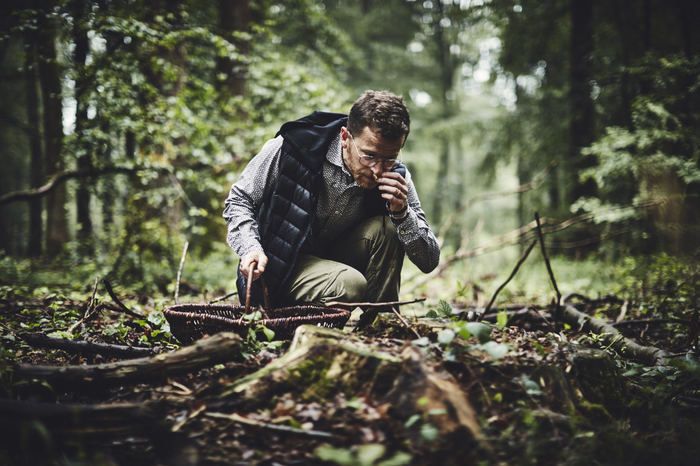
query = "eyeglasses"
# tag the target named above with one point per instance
(371, 160)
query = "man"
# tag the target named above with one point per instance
(325, 211)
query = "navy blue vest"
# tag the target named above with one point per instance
(286, 216)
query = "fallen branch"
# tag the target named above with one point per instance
(264, 425)
(626, 323)
(39, 340)
(612, 337)
(204, 353)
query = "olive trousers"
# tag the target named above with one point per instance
(362, 265)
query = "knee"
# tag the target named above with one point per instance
(380, 230)
(350, 285)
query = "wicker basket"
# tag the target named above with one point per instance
(189, 322)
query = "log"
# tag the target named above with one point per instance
(216, 349)
(649, 355)
(79, 421)
(39, 340)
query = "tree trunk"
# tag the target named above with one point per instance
(80, 54)
(50, 80)
(36, 226)
(581, 105)
(234, 16)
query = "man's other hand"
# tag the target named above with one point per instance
(256, 258)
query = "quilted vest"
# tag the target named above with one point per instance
(286, 216)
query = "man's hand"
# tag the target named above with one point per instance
(394, 189)
(256, 258)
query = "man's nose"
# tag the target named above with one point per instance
(377, 170)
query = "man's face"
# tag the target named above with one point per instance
(367, 155)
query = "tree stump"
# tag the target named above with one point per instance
(322, 362)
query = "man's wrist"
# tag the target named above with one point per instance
(399, 215)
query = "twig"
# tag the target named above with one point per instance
(118, 302)
(223, 298)
(179, 270)
(519, 235)
(279, 428)
(385, 304)
(540, 235)
(88, 310)
(510, 277)
(404, 322)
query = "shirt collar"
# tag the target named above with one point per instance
(335, 154)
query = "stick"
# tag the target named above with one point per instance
(279, 428)
(39, 340)
(540, 235)
(385, 304)
(179, 270)
(404, 322)
(510, 277)
(223, 298)
(118, 302)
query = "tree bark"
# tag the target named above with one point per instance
(50, 79)
(80, 54)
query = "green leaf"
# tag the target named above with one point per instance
(495, 350)
(501, 319)
(368, 454)
(412, 420)
(481, 331)
(445, 336)
(429, 432)
(340, 456)
(269, 333)
(399, 459)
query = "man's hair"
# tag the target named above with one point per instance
(382, 111)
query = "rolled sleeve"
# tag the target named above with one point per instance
(246, 196)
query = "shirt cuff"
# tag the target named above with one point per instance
(408, 228)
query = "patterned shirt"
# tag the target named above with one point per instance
(340, 202)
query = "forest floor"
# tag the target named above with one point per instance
(530, 388)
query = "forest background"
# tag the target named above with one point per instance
(124, 123)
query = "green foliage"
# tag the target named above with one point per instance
(369, 454)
